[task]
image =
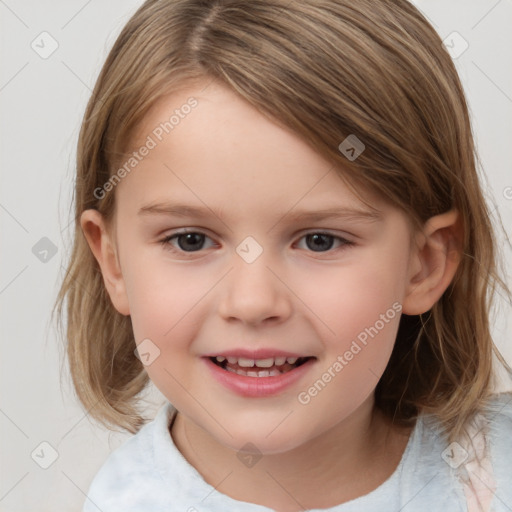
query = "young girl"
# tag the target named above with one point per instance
(279, 222)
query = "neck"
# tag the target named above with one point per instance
(345, 462)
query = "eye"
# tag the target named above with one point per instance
(187, 241)
(193, 241)
(323, 242)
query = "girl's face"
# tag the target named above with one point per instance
(284, 262)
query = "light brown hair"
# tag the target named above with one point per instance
(324, 69)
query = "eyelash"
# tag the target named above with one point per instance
(168, 246)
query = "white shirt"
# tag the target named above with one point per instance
(149, 474)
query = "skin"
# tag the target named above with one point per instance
(254, 174)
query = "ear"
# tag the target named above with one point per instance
(103, 248)
(434, 260)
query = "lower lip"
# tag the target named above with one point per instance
(258, 386)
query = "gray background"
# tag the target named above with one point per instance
(42, 101)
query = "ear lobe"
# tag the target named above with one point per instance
(103, 248)
(434, 261)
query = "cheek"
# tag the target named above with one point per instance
(165, 297)
(165, 303)
(350, 299)
(358, 309)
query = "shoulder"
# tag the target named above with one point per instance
(493, 426)
(129, 473)
(498, 421)
(498, 416)
(486, 456)
(464, 472)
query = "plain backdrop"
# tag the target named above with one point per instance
(43, 98)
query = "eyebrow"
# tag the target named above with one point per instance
(185, 210)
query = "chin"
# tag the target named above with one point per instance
(257, 440)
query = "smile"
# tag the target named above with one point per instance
(261, 375)
(268, 367)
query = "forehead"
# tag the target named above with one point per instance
(213, 146)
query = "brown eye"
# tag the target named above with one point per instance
(324, 242)
(319, 242)
(191, 241)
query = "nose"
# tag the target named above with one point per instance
(255, 293)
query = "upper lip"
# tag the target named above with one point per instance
(262, 353)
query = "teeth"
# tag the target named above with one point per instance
(265, 363)
(261, 373)
(260, 363)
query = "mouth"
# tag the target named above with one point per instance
(268, 367)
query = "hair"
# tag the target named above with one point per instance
(325, 69)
